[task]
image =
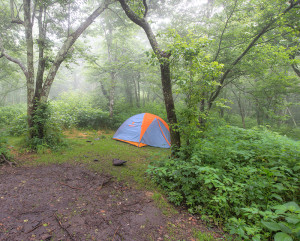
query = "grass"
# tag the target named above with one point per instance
(86, 146)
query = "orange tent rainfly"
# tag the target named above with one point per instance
(144, 129)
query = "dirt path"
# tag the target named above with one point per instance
(66, 202)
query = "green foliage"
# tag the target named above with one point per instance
(286, 222)
(13, 119)
(9, 113)
(3, 147)
(66, 108)
(123, 111)
(45, 132)
(18, 126)
(234, 175)
(75, 109)
(93, 118)
(195, 75)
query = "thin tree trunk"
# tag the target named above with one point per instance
(112, 94)
(30, 66)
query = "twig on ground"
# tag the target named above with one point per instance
(115, 233)
(131, 204)
(70, 186)
(62, 227)
(35, 227)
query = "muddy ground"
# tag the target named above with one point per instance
(67, 202)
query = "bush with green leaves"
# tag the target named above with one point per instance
(93, 118)
(75, 109)
(65, 109)
(9, 113)
(4, 152)
(123, 111)
(18, 125)
(45, 132)
(230, 170)
(13, 119)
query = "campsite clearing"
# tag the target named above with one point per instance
(69, 196)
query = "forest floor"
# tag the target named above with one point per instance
(75, 200)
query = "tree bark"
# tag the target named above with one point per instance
(30, 65)
(137, 90)
(112, 92)
(169, 103)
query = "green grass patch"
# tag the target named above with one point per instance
(88, 146)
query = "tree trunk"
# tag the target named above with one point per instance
(202, 112)
(242, 113)
(259, 115)
(112, 94)
(169, 103)
(137, 90)
(30, 66)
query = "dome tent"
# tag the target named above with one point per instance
(144, 129)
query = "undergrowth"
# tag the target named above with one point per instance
(240, 178)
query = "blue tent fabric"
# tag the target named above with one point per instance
(144, 129)
(130, 131)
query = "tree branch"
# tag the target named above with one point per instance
(14, 60)
(221, 38)
(15, 19)
(146, 8)
(62, 54)
(145, 25)
(122, 21)
(258, 36)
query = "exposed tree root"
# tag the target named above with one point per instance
(4, 159)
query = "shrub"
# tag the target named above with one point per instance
(93, 118)
(76, 109)
(66, 108)
(233, 169)
(46, 133)
(9, 113)
(13, 119)
(4, 152)
(18, 125)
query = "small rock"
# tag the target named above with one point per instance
(88, 141)
(97, 139)
(117, 162)
(96, 160)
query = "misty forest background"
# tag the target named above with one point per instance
(234, 78)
